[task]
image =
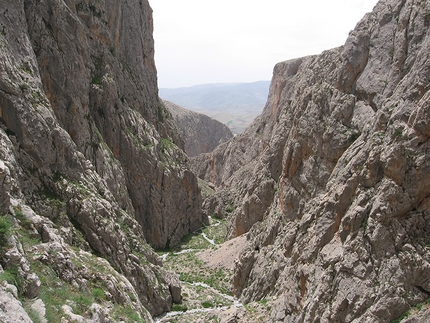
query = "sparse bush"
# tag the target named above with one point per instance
(23, 221)
(207, 304)
(9, 276)
(82, 304)
(397, 133)
(5, 226)
(179, 308)
(98, 294)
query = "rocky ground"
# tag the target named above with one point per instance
(205, 263)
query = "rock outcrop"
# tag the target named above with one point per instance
(200, 133)
(91, 166)
(331, 182)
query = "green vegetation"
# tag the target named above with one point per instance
(229, 207)
(97, 80)
(127, 314)
(82, 303)
(55, 292)
(400, 318)
(205, 189)
(98, 294)
(25, 68)
(170, 153)
(179, 308)
(162, 113)
(23, 86)
(95, 12)
(5, 226)
(23, 221)
(10, 276)
(195, 274)
(207, 304)
(397, 133)
(417, 307)
(166, 145)
(34, 315)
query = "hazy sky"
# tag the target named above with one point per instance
(199, 42)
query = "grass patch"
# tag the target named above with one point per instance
(98, 294)
(179, 308)
(82, 304)
(33, 314)
(205, 189)
(397, 133)
(10, 276)
(401, 318)
(217, 231)
(207, 304)
(5, 226)
(127, 314)
(23, 221)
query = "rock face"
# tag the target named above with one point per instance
(89, 155)
(331, 182)
(200, 133)
(11, 310)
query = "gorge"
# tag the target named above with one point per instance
(324, 199)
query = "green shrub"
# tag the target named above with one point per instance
(5, 226)
(9, 276)
(82, 304)
(207, 304)
(98, 294)
(179, 308)
(23, 221)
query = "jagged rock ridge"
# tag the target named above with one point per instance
(89, 162)
(331, 182)
(201, 134)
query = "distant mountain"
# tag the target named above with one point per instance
(201, 134)
(234, 104)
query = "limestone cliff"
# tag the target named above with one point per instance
(201, 134)
(331, 182)
(89, 163)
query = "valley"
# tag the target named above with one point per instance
(204, 264)
(234, 104)
(319, 211)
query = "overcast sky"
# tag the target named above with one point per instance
(200, 42)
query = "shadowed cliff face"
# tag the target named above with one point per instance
(89, 156)
(331, 181)
(96, 62)
(200, 133)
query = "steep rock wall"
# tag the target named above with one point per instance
(89, 160)
(96, 62)
(200, 133)
(335, 200)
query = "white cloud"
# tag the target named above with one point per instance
(241, 40)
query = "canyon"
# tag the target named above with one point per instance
(323, 201)
(200, 133)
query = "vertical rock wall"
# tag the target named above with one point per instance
(335, 200)
(89, 157)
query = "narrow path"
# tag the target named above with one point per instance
(205, 288)
(211, 241)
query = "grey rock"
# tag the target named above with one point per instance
(90, 157)
(39, 308)
(332, 187)
(201, 134)
(11, 309)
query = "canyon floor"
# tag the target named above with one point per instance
(205, 263)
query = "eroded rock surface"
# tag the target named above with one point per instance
(89, 158)
(200, 133)
(331, 182)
